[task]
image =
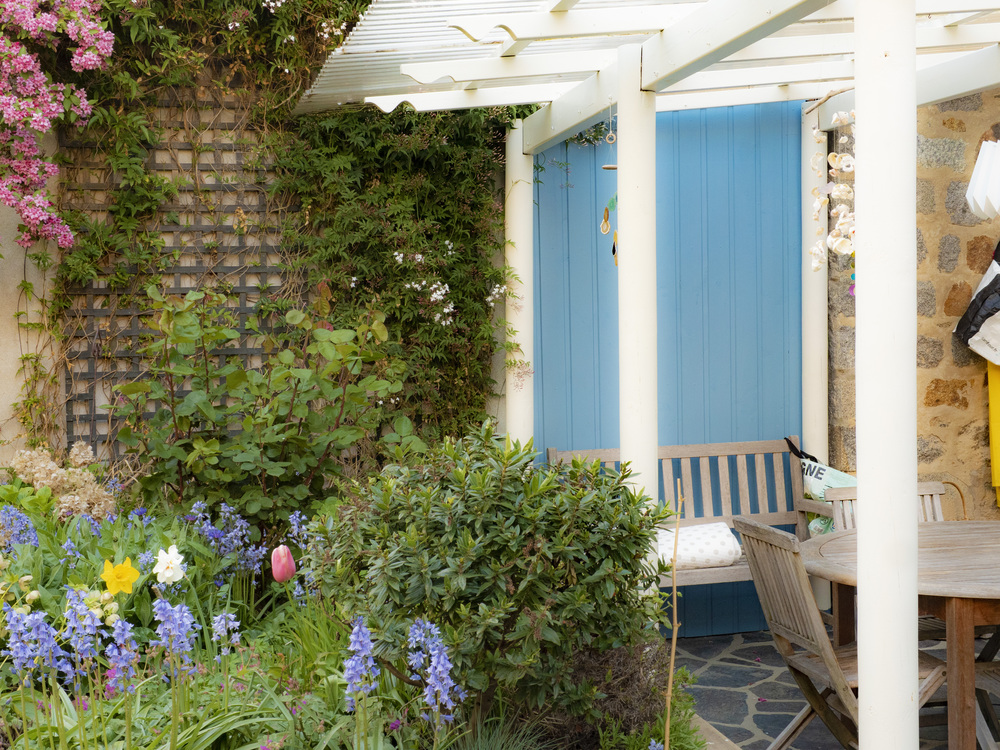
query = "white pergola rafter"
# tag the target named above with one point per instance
(640, 56)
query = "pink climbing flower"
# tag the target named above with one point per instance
(31, 102)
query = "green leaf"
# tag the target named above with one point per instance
(130, 389)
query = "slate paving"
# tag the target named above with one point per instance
(745, 691)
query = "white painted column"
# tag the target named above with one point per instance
(885, 368)
(519, 213)
(815, 344)
(637, 270)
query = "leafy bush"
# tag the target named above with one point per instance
(265, 438)
(520, 565)
(632, 685)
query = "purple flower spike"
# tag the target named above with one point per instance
(360, 669)
(429, 660)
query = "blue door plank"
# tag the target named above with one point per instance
(728, 288)
(582, 313)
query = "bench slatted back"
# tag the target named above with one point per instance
(762, 479)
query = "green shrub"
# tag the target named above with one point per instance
(264, 439)
(520, 565)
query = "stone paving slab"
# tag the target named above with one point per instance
(746, 694)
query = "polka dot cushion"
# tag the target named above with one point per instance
(710, 545)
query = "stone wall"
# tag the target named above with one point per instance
(954, 247)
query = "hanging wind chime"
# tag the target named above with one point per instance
(610, 139)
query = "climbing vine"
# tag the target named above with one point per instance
(400, 213)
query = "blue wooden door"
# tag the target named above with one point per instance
(728, 286)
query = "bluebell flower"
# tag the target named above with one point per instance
(176, 631)
(83, 626)
(20, 649)
(122, 654)
(430, 662)
(146, 561)
(72, 553)
(225, 630)
(654, 745)
(16, 528)
(113, 486)
(299, 593)
(85, 519)
(360, 669)
(230, 537)
(32, 644)
(298, 534)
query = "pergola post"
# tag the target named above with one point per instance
(815, 339)
(886, 344)
(519, 218)
(637, 343)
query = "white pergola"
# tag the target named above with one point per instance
(581, 58)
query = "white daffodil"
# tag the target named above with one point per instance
(169, 565)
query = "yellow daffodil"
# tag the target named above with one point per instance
(120, 577)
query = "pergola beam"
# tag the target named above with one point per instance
(573, 24)
(496, 96)
(766, 75)
(578, 109)
(559, 63)
(718, 29)
(668, 102)
(555, 6)
(969, 74)
(726, 25)
(823, 43)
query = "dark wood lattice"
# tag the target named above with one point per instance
(222, 230)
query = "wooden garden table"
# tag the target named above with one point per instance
(958, 580)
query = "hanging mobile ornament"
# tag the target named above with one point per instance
(614, 247)
(610, 139)
(606, 225)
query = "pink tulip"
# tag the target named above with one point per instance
(282, 564)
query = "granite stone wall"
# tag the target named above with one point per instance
(954, 247)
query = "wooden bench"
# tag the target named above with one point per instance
(760, 479)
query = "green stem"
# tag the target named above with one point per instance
(57, 711)
(128, 721)
(99, 704)
(174, 709)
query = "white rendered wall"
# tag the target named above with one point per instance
(519, 217)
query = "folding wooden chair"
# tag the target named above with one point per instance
(826, 675)
(843, 499)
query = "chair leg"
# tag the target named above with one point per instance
(794, 728)
(991, 648)
(818, 702)
(988, 712)
(984, 737)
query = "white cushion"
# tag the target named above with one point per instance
(709, 545)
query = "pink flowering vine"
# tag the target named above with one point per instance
(31, 102)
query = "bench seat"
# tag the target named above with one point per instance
(760, 479)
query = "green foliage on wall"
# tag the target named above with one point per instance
(400, 213)
(403, 212)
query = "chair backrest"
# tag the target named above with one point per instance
(843, 502)
(722, 480)
(786, 597)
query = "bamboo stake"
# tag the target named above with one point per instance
(673, 615)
